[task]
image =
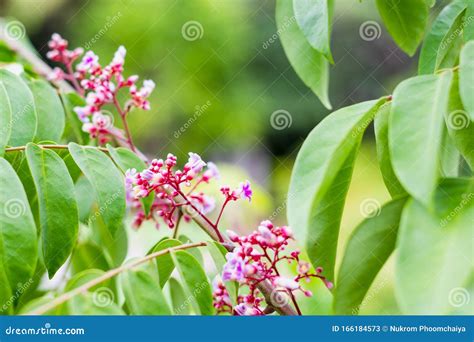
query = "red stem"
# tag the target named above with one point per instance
(73, 79)
(123, 116)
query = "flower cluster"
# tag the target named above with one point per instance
(166, 185)
(100, 86)
(255, 259)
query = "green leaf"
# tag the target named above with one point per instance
(5, 291)
(438, 34)
(416, 130)
(126, 159)
(448, 53)
(86, 276)
(309, 64)
(57, 206)
(195, 283)
(73, 124)
(18, 241)
(115, 246)
(106, 181)
(5, 119)
(164, 262)
(469, 27)
(435, 251)
(450, 157)
(405, 20)
(88, 255)
(50, 111)
(383, 152)
(466, 78)
(91, 304)
(195, 252)
(142, 293)
(85, 198)
(368, 248)
(460, 127)
(314, 18)
(180, 305)
(21, 106)
(320, 179)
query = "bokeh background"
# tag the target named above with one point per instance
(218, 86)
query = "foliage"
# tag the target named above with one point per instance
(65, 192)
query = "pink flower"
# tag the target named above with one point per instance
(287, 283)
(195, 162)
(90, 62)
(211, 172)
(245, 190)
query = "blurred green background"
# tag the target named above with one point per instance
(217, 90)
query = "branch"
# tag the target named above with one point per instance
(107, 275)
(51, 147)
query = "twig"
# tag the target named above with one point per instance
(107, 275)
(51, 147)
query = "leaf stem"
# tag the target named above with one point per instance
(107, 275)
(51, 147)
